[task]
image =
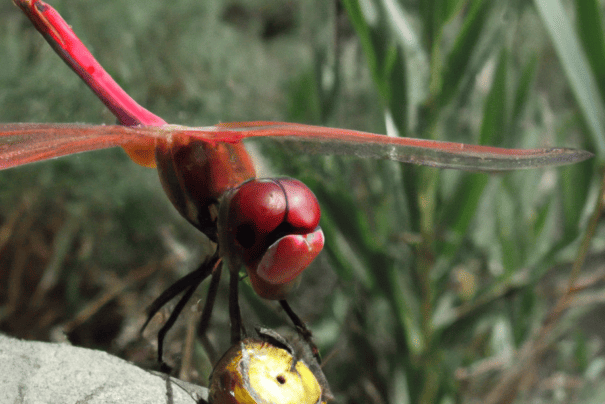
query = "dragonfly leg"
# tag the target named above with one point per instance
(208, 307)
(302, 329)
(197, 276)
(186, 284)
(237, 327)
(170, 322)
(73, 52)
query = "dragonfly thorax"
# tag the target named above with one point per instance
(196, 174)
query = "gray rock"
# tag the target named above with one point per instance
(40, 372)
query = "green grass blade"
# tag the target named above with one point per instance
(590, 29)
(523, 90)
(460, 56)
(493, 128)
(575, 64)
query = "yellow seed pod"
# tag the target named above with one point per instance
(258, 372)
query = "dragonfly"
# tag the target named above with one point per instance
(267, 226)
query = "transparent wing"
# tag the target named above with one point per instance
(22, 143)
(25, 143)
(322, 140)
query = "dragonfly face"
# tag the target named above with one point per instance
(271, 226)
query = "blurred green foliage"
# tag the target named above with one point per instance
(442, 277)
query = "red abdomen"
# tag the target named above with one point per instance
(195, 174)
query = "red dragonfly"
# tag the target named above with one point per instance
(268, 226)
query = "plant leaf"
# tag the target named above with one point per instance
(576, 67)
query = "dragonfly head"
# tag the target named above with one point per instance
(271, 226)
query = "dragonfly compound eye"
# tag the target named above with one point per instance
(254, 371)
(256, 209)
(303, 210)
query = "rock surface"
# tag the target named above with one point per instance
(41, 372)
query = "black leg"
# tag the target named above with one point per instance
(186, 284)
(179, 286)
(302, 329)
(170, 322)
(235, 316)
(210, 299)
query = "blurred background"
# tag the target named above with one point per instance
(434, 287)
